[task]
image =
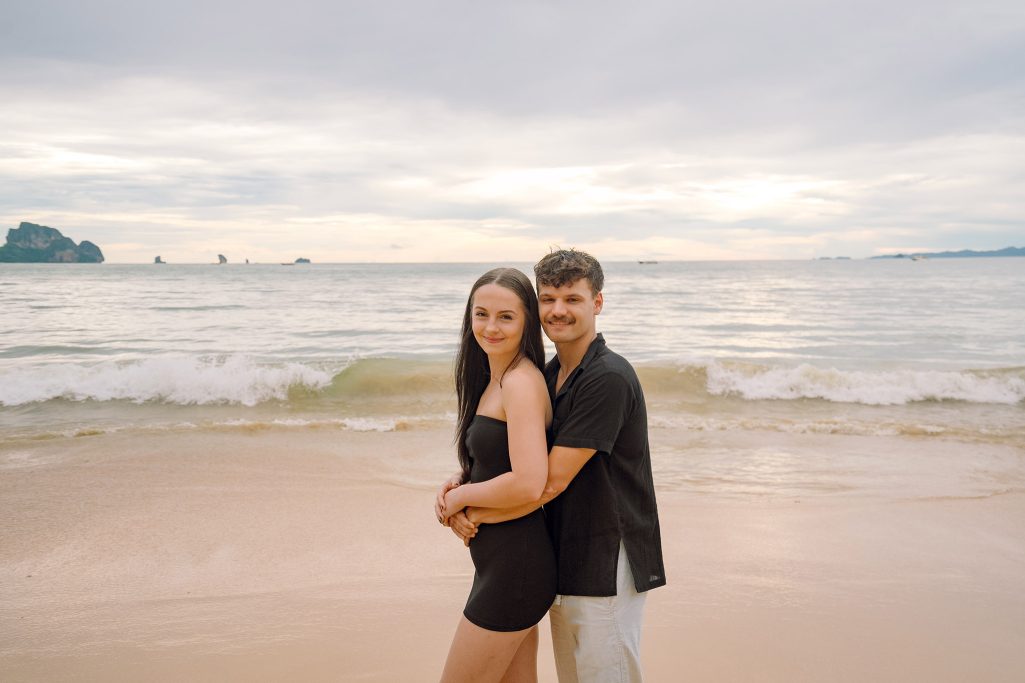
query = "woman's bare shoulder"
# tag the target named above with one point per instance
(525, 385)
(525, 377)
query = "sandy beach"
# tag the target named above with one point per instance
(311, 554)
(239, 243)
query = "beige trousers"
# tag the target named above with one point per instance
(598, 640)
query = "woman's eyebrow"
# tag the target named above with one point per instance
(482, 308)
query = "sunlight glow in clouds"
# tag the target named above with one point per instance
(430, 143)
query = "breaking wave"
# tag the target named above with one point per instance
(889, 387)
(427, 384)
(169, 379)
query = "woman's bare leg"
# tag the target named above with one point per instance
(523, 667)
(478, 655)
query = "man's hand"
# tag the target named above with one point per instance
(439, 502)
(462, 526)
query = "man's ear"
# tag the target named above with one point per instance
(599, 300)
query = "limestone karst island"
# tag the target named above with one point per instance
(31, 243)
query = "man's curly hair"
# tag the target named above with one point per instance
(566, 266)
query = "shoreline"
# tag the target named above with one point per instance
(313, 555)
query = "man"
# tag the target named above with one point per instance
(599, 499)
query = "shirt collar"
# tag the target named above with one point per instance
(597, 344)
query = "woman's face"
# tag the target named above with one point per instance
(498, 319)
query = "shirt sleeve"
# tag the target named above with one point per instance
(600, 407)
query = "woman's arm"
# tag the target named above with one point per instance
(563, 465)
(525, 400)
(464, 523)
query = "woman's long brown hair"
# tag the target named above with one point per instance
(472, 370)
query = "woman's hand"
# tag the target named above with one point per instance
(453, 503)
(439, 502)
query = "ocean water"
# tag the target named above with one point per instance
(922, 349)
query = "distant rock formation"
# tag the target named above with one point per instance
(964, 253)
(159, 261)
(31, 243)
(221, 259)
(302, 260)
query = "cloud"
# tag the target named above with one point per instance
(664, 128)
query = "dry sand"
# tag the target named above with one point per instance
(292, 554)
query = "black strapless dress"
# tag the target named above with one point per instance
(515, 578)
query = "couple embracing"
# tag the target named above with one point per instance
(571, 436)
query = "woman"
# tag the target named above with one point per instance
(504, 411)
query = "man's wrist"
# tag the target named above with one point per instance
(455, 499)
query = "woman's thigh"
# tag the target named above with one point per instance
(523, 667)
(478, 655)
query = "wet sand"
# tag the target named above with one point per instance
(312, 554)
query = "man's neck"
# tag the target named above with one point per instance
(571, 353)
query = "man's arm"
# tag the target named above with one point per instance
(524, 397)
(599, 410)
(563, 465)
(439, 500)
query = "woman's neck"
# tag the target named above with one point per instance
(499, 365)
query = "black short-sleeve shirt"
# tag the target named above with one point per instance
(612, 498)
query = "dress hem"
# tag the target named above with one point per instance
(502, 629)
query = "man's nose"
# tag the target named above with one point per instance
(558, 308)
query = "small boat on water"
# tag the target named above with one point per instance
(648, 263)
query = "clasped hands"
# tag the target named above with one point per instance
(452, 512)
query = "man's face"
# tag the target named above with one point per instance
(567, 312)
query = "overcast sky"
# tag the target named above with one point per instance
(476, 130)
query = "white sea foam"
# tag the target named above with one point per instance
(240, 380)
(894, 387)
(352, 424)
(184, 380)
